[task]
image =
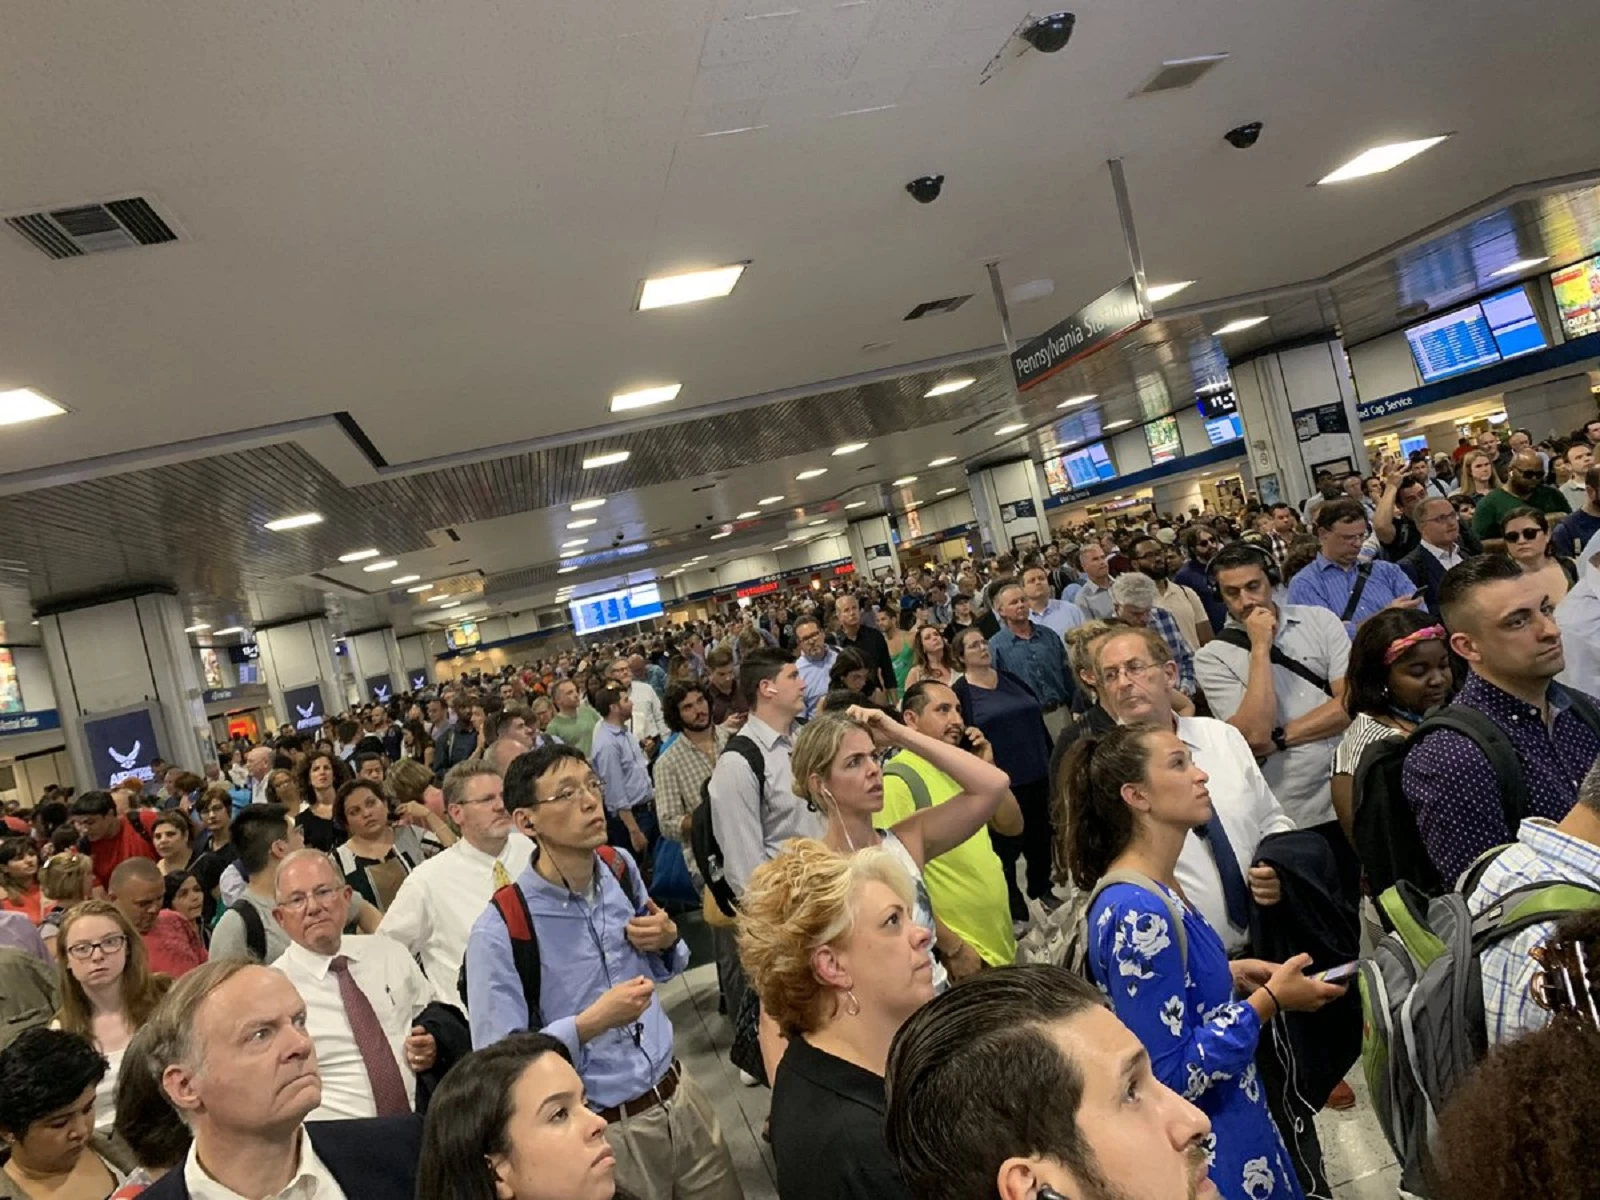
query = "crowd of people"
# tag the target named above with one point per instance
(1031, 873)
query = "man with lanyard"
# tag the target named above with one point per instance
(1335, 581)
(1034, 654)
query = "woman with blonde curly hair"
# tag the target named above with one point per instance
(830, 943)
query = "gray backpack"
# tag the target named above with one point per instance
(1073, 953)
(1423, 1028)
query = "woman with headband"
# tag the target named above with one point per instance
(1399, 669)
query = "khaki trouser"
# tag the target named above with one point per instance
(675, 1151)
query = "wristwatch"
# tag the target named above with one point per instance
(1278, 739)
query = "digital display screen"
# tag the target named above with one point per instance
(1410, 445)
(1454, 343)
(419, 680)
(1088, 466)
(1577, 290)
(1225, 429)
(1216, 404)
(1513, 322)
(616, 608)
(249, 673)
(380, 687)
(305, 707)
(122, 747)
(462, 634)
(1162, 437)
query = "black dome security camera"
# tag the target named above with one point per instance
(1049, 34)
(926, 189)
(1243, 137)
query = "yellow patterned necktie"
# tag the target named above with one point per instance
(501, 876)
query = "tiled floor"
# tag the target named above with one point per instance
(1359, 1163)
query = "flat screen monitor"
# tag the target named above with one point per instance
(306, 707)
(623, 607)
(122, 745)
(462, 634)
(1089, 466)
(1161, 436)
(1453, 343)
(249, 673)
(1216, 403)
(380, 687)
(1577, 290)
(1225, 429)
(1410, 445)
(1513, 322)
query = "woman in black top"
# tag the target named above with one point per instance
(833, 948)
(320, 778)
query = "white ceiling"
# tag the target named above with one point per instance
(435, 217)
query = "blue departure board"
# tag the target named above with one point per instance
(1089, 466)
(615, 608)
(1512, 321)
(1458, 341)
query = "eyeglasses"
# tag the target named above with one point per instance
(1523, 535)
(1530, 473)
(324, 896)
(109, 945)
(1112, 674)
(572, 791)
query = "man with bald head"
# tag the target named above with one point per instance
(172, 941)
(1524, 486)
(258, 765)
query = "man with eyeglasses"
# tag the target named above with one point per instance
(1336, 581)
(1200, 545)
(362, 996)
(1524, 485)
(1438, 551)
(815, 663)
(604, 947)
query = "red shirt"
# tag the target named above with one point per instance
(32, 903)
(127, 842)
(174, 944)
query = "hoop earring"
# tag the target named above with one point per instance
(852, 1005)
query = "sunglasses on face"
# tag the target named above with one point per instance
(1523, 535)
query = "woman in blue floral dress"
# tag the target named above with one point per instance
(1133, 795)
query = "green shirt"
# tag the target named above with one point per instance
(578, 729)
(1490, 514)
(967, 885)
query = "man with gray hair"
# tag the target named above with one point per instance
(1034, 653)
(1135, 600)
(1440, 548)
(1543, 855)
(229, 1047)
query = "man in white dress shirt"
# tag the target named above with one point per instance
(258, 766)
(324, 965)
(437, 903)
(648, 723)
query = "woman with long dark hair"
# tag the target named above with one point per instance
(1527, 535)
(509, 1123)
(19, 879)
(320, 777)
(1133, 796)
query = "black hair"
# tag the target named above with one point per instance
(602, 696)
(254, 831)
(145, 1119)
(51, 816)
(1366, 682)
(349, 788)
(174, 881)
(1098, 824)
(469, 1115)
(526, 769)
(1466, 577)
(42, 1072)
(919, 695)
(1281, 504)
(676, 695)
(362, 757)
(1525, 512)
(758, 667)
(1337, 512)
(94, 804)
(1240, 554)
(964, 1079)
(841, 698)
(849, 659)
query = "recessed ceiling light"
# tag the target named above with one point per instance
(609, 459)
(231, 629)
(719, 536)
(818, 521)
(903, 480)
(197, 628)
(571, 553)
(944, 460)
(1521, 265)
(1238, 326)
(944, 491)
(25, 404)
(848, 448)
(948, 386)
(781, 546)
(698, 558)
(583, 522)
(856, 504)
(436, 599)
(298, 521)
(413, 591)
(1120, 424)
(571, 542)
(645, 397)
(813, 473)
(385, 565)
(770, 500)
(1072, 400)
(404, 579)
(357, 555)
(666, 290)
(913, 504)
(1165, 291)
(1005, 429)
(565, 570)
(452, 604)
(746, 516)
(1380, 159)
(584, 505)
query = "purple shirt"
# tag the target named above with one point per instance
(1452, 786)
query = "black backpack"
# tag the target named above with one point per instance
(703, 837)
(255, 930)
(1386, 836)
(512, 906)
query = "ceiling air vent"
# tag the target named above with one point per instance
(932, 308)
(94, 228)
(1178, 73)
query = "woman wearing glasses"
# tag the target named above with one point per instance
(107, 989)
(1527, 535)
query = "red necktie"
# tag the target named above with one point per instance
(383, 1073)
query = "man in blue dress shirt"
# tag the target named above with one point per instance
(1057, 615)
(815, 663)
(623, 769)
(1336, 581)
(1034, 654)
(603, 955)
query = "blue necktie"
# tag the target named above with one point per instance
(1234, 893)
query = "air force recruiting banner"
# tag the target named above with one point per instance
(1094, 326)
(380, 687)
(122, 746)
(305, 707)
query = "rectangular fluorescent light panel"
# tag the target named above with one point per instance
(196, 628)
(357, 555)
(856, 504)
(812, 474)
(645, 397)
(770, 500)
(1521, 265)
(385, 565)
(584, 505)
(746, 516)
(229, 630)
(583, 522)
(404, 579)
(298, 521)
(689, 287)
(452, 604)
(1072, 401)
(415, 590)
(609, 459)
(944, 460)
(1238, 326)
(1005, 429)
(1166, 291)
(948, 386)
(571, 542)
(903, 480)
(849, 448)
(1380, 159)
(565, 570)
(571, 553)
(945, 492)
(25, 404)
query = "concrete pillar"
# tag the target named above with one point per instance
(297, 665)
(1008, 501)
(126, 686)
(1556, 406)
(1299, 413)
(872, 547)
